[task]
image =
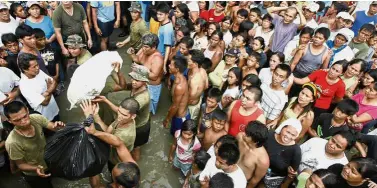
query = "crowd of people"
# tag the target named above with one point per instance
(263, 94)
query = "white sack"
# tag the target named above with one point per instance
(89, 78)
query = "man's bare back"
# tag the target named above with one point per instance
(153, 62)
(180, 87)
(196, 87)
(210, 137)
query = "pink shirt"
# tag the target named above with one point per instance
(369, 109)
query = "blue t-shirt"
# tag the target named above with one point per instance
(361, 19)
(165, 36)
(105, 10)
(45, 25)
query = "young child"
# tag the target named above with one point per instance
(210, 136)
(200, 161)
(252, 64)
(328, 124)
(207, 109)
(255, 16)
(183, 149)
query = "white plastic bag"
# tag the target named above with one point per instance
(89, 78)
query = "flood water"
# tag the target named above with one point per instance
(156, 171)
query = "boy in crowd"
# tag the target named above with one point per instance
(165, 32)
(12, 48)
(328, 124)
(200, 160)
(255, 16)
(211, 135)
(207, 109)
(359, 43)
(274, 97)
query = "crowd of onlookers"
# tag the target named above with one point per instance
(263, 94)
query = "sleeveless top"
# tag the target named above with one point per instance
(208, 54)
(238, 122)
(265, 36)
(308, 63)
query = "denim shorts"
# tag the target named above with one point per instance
(107, 28)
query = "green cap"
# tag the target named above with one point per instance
(135, 6)
(75, 41)
(140, 73)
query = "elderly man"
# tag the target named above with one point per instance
(7, 23)
(151, 58)
(68, 19)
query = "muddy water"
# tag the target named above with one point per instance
(156, 171)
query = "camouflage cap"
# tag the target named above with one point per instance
(135, 6)
(75, 41)
(140, 73)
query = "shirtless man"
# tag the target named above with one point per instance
(150, 57)
(254, 160)
(178, 110)
(196, 82)
(217, 129)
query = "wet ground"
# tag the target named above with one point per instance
(156, 171)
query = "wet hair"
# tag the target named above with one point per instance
(197, 56)
(227, 18)
(131, 105)
(257, 11)
(130, 176)
(245, 26)
(185, 30)
(253, 80)
(180, 63)
(258, 93)
(206, 64)
(38, 33)
(23, 31)
(286, 68)
(201, 158)
(238, 73)
(218, 33)
(227, 139)
(184, 9)
(348, 106)
(328, 178)
(222, 3)
(257, 131)
(343, 63)
(368, 27)
(229, 152)
(202, 23)
(367, 167)
(363, 64)
(190, 125)
(243, 13)
(24, 61)
(324, 31)
(256, 55)
(8, 38)
(280, 55)
(13, 8)
(150, 40)
(270, 18)
(13, 107)
(307, 30)
(222, 180)
(163, 7)
(214, 93)
(219, 115)
(261, 41)
(188, 41)
(350, 137)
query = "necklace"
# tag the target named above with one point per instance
(25, 135)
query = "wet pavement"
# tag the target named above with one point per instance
(156, 171)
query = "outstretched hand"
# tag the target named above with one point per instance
(89, 108)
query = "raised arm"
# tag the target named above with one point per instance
(272, 10)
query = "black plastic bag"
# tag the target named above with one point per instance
(74, 154)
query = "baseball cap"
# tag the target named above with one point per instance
(31, 3)
(346, 16)
(346, 33)
(140, 73)
(312, 7)
(233, 52)
(3, 6)
(374, 3)
(135, 6)
(75, 40)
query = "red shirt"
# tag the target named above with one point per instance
(210, 17)
(328, 91)
(238, 122)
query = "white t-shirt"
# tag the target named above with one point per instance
(32, 90)
(234, 92)
(273, 101)
(265, 76)
(238, 177)
(346, 54)
(228, 37)
(9, 80)
(199, 43)
(313, 155)
(192, 5)
(312, 23)
(9, 27)
(293, 44)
